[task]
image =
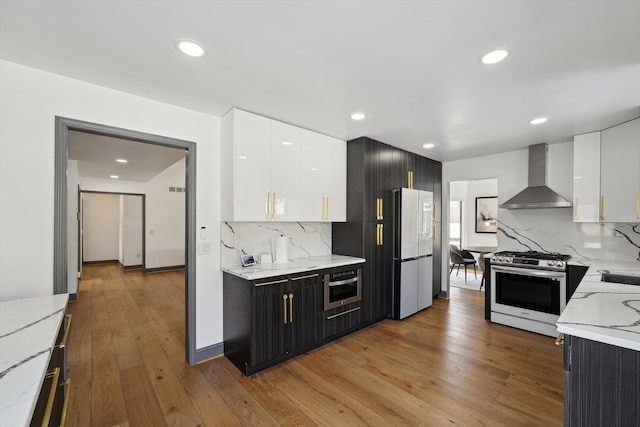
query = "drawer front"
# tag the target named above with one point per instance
(341, 319)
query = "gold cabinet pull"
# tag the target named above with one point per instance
(284, 304)
(268, 205)
(434, 232)
(324, 209)
(333, 316)
(327, 217)
(377, 234)
(309, 276)
(290, 308)
(381, 210)
(273, 206)
(55, 374)
(65, 405)
(435, 208)
(272, 283)
(601, 208)
(575, 209)
(381, 234)
(559, 339)
(63, 341)
(409, 179)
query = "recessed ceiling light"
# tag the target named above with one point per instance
(314, 169)
(287, 143)
(190, 48)
(358, 116)
(242, 157)
(114, 176)
(428, 145)
(538, 121)
(494, 57)
(121, 160)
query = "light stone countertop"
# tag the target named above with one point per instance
(262, 271)
(28, 331)
(603, 311)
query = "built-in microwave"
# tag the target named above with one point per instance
(342, 288)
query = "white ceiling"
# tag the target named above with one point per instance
(97, 154)
(412, 66)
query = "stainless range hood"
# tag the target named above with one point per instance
(537, 195)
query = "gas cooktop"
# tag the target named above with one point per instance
(553, 261)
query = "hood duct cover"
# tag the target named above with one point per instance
(537, 195)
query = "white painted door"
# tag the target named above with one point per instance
(335, 188)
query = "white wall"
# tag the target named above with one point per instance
(165, 218)
(131, 230)
(511, 170)
(101, 221)
(29, 103)
(73, 180)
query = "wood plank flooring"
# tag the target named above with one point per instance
(443, 366)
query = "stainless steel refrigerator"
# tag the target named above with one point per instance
(413, 252)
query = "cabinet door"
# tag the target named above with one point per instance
(268, 308)
(376, 281)
(285, 172)
(586, 177)
(323, 179)
(620, 173)
(335, 182)
(252, 159)
(305, 315)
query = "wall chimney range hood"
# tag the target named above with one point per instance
(537, 195)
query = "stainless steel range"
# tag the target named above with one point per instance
(528, 290)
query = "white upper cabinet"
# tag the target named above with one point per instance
(620, 173)
(586, 177)
(323, 178)
(273, 171)
(285, 172)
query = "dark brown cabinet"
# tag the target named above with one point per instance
(601, 384)
(374, 170)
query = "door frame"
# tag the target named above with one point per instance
(62, 127)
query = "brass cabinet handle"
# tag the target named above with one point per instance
(324, 209)
(55, 374)
(381, 234)
(309, 276)
(272, 283)
(434, 211)
(377, 234)
(559, 339)
(601, 208)
(284, 303)
(343, 313)
(434, 232)
(381, 210)
(327, 217)
(290, 308)
(67, 325)
(273, 206)
(65, 405)
(575, 209)
(409, 179)
(268, 205)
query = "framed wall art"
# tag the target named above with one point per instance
(487, 214)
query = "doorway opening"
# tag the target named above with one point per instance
(64, 216)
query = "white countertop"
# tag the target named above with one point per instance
(261, 271)
(603, 311)
(28, 331)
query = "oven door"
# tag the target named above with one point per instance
(528, 293)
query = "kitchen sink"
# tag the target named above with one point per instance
(620, 278)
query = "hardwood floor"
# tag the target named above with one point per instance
(442, 366)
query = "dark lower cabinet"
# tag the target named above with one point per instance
(270, 320)
(601, 384)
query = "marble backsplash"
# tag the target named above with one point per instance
(306, 239)
(553, 230)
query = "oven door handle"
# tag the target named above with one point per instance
(530, 272)
(343, 282)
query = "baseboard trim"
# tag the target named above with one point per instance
(130, 267)
(158, 269)
(209, 352)
(106, 261)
